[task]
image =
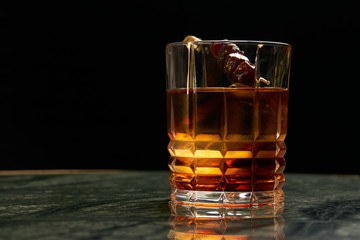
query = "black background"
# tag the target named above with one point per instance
(83, 84)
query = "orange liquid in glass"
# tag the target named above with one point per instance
(227, 139)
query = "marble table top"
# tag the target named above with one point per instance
(134, 205)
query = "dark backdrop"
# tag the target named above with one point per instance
(83, 84)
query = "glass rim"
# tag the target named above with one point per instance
(249, 42)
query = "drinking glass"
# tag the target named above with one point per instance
(227, 108)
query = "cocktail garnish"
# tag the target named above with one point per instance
(190, 38)
(261, 79)
(236, 66)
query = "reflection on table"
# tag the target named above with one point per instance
(186, 228)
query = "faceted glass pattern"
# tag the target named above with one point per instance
(188, 228)
(227, 140)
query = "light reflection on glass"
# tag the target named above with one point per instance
(190, 228)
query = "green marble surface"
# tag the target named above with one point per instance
(134, 205)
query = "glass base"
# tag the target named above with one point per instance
(186, 228)
(218, 204)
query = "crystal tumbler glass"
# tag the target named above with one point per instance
(227, 108)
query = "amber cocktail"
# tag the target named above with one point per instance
(227, 122)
